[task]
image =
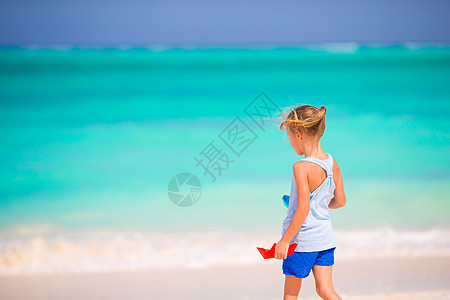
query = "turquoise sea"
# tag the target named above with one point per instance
(91, 138)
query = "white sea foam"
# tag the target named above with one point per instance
(40, 250)
(331, 47)
(350, 47)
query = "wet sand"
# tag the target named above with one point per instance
(406, 278)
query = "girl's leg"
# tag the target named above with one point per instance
(292, 286)
(324, 284)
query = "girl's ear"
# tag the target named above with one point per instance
(298, 133)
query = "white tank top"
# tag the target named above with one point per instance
(316, 233)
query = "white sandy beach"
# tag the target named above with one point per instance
(388, 278)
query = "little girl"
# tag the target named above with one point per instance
(316, 186)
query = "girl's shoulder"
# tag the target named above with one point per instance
(311, 160)
(336, 169)
(308, 164)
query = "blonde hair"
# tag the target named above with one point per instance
(306, 118)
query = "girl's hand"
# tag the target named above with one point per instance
(281, 249)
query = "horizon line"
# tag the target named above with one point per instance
(328, 46)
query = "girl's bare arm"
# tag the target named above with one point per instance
(339, 199)
(301, 178)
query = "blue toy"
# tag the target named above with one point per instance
(286, 200)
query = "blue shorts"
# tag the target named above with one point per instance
(299, 264)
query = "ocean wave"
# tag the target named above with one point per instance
(44, 250)
(329, 47)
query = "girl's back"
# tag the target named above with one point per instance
(316, 233)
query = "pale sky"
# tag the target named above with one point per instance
(233, 22)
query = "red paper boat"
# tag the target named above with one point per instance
(271, 253)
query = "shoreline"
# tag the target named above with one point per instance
(380, 278)
(44, 250)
